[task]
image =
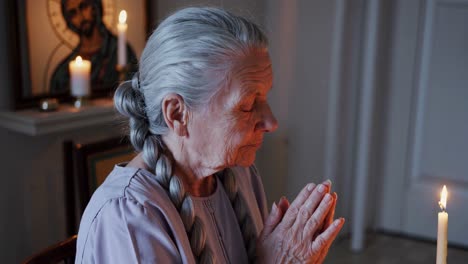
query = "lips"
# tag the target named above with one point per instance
(85, 25)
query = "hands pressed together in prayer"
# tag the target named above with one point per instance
(303, 231)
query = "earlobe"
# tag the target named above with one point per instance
(180, 129)
(175, 114)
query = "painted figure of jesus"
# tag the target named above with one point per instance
(97, 44)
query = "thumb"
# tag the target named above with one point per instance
(271, 222)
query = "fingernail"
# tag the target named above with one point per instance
(321, 188)
(310, 187)
(328, 182)
(339, 221)
(327, 197)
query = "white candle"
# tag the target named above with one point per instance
(442, 229)
(121, 42)
(79, 77)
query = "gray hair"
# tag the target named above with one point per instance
(191, 54)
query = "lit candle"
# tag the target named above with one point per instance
(442, 229)
(79, 77)
(121, 42)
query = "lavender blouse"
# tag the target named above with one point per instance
(130, 219)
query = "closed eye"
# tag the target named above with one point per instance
(247, 108)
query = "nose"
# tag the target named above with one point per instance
(268, 122)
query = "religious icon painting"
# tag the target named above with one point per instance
(52, 33)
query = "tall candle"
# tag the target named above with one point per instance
(442, 229)
(79, 77)
(122, 39)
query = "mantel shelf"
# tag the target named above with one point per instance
(37, 123)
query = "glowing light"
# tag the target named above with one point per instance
(443, 198)
(123, 17)
(79, 61)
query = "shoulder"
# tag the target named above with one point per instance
(62, 67)
(131, 187)
(129, 184)
(130, 208)
(126, 231)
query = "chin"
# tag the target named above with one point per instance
(246, 160)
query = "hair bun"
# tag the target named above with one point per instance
(129, 101)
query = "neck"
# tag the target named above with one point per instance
(92, 43)
(195, 185)
(198, 180)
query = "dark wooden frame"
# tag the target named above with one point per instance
(78, 185)
(18, 49)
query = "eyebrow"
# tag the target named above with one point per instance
(248, 91)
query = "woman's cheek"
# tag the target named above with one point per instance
(232, 142)
(229, 153)
(246, 156)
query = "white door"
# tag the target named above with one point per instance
(426, 142)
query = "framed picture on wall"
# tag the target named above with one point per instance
(87, 165)
(48, 34)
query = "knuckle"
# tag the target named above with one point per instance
(322, 209)
(304, 214)
(315, 222)
(293, 210)
(308, 230)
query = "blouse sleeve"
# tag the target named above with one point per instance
(125, 231)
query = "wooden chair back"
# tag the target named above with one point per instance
(62, 252)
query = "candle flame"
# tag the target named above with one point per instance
(79, 60)
(122, 17)
(443, 198)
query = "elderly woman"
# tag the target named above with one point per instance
(197, 113)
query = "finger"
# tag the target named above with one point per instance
(291, 213)
(324, 253)
(331, 213)
(326, 238)
(317, 219)
(271, 222)
(309, 207)
(328, 183)
(329, 217)
(328, 221)
(303, 195)
(283, 205)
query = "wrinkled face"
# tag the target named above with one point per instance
(82, 15)
(229, 131)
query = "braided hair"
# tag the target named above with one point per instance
(179, 55)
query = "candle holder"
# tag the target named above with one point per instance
(48, 105)
(80, 101)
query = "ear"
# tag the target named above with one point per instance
(175, 114)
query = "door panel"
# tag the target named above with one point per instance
(427, 128)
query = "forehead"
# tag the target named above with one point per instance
(69, 4)
(250, 75)
(253, 69)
